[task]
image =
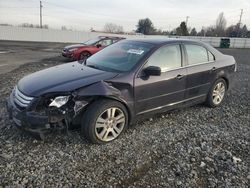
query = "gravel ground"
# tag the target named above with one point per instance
(191, 147)
(16, 53)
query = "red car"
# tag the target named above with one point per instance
(84, 50)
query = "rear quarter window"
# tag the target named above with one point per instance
(210, 56)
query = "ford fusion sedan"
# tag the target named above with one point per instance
(128, 80)
(84, 50)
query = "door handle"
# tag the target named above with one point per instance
(179, 76)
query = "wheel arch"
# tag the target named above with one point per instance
(129, 111)
(226, 80)
(82, 52)
(223, 75)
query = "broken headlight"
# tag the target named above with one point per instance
(59, 101)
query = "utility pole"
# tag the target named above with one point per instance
(187, 20)
(41, 17)
(241, 13)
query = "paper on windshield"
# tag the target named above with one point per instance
(135, 51)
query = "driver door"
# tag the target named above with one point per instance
(164, 91)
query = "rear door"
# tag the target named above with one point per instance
(156, 92)
(200, 70)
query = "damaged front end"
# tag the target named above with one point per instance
(62, 109)
(43, 114)
(59, 110)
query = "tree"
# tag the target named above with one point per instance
(119, 29)
(220, 29)
(231, 31)
(211, 31)
(244, 31)
(92, 29)
(5, 24)
(113, 28)
(248, 34)
(64, 28)
(173, 32)
(237, 31)
(193, 32)
(202, 32)
(33, 26)
(221, 24)
(165, 32)
(182, 29)
(145, 26)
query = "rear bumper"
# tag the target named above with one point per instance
(27, 120)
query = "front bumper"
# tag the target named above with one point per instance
(69, 55)
(27, 120)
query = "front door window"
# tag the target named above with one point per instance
(167, 58)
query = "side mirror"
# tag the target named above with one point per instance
(152, 71)
(98, 45)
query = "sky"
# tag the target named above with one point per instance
(86, 14)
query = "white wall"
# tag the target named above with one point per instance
(52, 35)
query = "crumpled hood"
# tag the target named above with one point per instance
(62, 78)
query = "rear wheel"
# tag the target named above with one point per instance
(217, 93)
(84, 56)
(104, 121)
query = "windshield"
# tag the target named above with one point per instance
(119, 57)
(91, 41)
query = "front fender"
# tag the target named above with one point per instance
(104, 89)
(98, 89)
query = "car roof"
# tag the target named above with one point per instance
(159, 41)
(110, 37)
(162, 41)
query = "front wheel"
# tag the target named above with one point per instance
(217, 93)
(104, 121)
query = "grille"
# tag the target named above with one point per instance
(21, 99)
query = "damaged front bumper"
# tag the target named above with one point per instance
(31, 120)
(27, 120)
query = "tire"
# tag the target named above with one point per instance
(84, 55)
(99, 125)
(214, 97)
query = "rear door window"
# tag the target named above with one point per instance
(196, 54)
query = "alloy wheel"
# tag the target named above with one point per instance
(110, 124)
(218, 93)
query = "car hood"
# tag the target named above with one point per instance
(74, 46)
(62, 78)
